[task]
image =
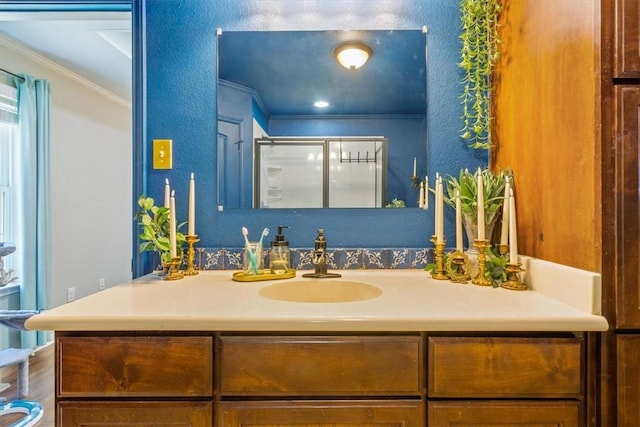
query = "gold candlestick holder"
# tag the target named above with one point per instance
(191, 254)
(173, 269)
(458, 267)
(480, 278)
(503, 249)
(513, 279)
(438, 272)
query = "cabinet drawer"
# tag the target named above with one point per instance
(391, 413)
(134, 414)
(321, 366)
(135, 366)
(502, 413)
(504, 367)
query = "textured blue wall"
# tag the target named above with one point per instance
(181, 105)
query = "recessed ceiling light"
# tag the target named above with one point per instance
(321, 104)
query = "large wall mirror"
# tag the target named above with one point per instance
(269, 82)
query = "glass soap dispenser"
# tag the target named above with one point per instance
(279, 253)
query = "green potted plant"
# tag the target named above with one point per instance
(467, 184)
(478, 54)
(154, 221)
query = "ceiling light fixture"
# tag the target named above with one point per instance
(352, 55)
(321, 104)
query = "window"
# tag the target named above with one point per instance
(8, 151)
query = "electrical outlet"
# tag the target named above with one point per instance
(71, 294)
(101, 284)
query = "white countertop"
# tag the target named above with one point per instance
(561, 299)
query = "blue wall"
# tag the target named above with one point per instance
(180, 104)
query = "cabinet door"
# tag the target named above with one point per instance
(488, 413)
(148, 414)
(627, 61)
(627, 206)
(628, 380)
(328, 413)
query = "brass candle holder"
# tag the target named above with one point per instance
(173, 269)
(513, 279)
(438, 272)
(503, 249)
(191, 254)
(458, 267)
(480, 278)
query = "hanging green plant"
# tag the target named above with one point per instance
(478, 54)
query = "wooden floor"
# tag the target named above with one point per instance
(41, 378)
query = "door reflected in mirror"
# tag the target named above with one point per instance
(268, 84)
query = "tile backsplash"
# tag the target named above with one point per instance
(337, 259)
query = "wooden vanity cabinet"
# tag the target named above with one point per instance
(321, 380)
(383, 379)
(513, 380)
(133, 380)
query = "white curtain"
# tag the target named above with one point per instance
(33, 240)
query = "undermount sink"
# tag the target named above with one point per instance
(321, 290)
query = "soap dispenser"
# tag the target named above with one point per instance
(279, 253)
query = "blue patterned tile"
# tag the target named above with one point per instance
(210, 259)
(302, 258)
(232, 258)
(333, 256)
(352, 259)
(399, 258)
(337, 258)
(420, 257)
(375, 258)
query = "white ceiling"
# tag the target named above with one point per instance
(94, 45)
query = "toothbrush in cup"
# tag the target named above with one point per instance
(252, 255)
(265, 233)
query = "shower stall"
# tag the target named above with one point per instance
(320, 172)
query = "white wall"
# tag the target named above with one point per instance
(91, 182)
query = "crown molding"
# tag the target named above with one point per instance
(54, 66)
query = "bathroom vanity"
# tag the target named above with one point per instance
(209, 351)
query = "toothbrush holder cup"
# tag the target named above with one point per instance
(252, 259)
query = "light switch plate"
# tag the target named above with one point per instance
(162, 155)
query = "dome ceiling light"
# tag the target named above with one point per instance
(352, 55)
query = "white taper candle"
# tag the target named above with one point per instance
(167, 192)
(513, 232)
(440, 234)
(458, 223)
(192, 206)
(426, 193)
(480, 200)
(172, 226)
(504, 234)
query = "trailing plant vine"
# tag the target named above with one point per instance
(478, 54)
